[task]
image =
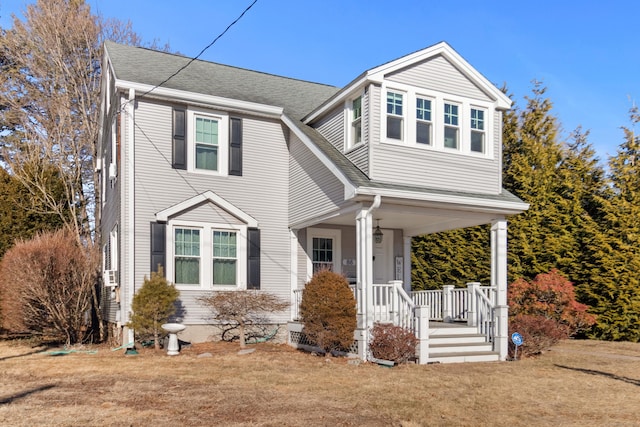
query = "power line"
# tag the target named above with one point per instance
(201, 52)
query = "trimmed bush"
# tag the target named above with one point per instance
(153, 305)
(328, 311)
(390, 342)
(242, 309)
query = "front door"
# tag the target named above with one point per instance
(383, 267)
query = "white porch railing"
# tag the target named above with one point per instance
(391, 304)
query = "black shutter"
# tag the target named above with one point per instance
(235, 147)
(179, 146)
(253, 259)
(158, 252)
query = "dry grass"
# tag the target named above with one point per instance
(577, 383)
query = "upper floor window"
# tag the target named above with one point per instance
(394, 115)
(477, 130)
(423, 121)
(356, 121)
(451, 125)
(206, 143)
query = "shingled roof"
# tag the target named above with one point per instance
(141, 65)
(298, 98)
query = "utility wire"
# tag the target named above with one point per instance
(201, 52)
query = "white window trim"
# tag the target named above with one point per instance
(330, 233)
(405, 123)
(350, 144)
(223, 140)
(206, 255)
(414, 108)
(437, 114)
(461, 117)
(483, 131)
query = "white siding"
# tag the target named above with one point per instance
(314, 190)
(261, 192)
(438, 74)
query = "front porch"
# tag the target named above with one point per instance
(452, 324)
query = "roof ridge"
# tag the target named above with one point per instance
(188, 58)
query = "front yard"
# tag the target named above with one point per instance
(577, 383)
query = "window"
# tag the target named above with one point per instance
(206, 142)
(187, 256)
(356, 121)
(423, 121)
(322, 254)
(451, 125)
(477, 131)
(394, 115)
(211, 256)
(224, 257)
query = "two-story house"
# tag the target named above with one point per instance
(235, 179)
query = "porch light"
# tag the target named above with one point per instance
(377, 234)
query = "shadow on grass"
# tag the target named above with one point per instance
(603, 374)
(23, 354)
(10, 399)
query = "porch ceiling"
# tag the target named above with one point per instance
(416, 220)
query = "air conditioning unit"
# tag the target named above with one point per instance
(111, 278)
(113, 171)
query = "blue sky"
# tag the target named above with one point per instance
(586, 53)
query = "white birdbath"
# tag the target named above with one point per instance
(173, 348)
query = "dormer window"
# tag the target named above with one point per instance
(477, 130)
(423, 121)
(394, 115)
(451, 125)
(356, 121)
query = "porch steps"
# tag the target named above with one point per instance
(455, 343)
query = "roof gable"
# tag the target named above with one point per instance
(207, 196)
(379, 73)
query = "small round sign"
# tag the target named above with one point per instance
(516, 338)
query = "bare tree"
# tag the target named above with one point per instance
(49, 91)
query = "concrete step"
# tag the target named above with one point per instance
(480, 356)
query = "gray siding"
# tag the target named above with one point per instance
(430, 168)
(261, 192)
(360, 157)
(438, 73)
(314, 190)
(331, 127)
(208, 212)
(110, 214)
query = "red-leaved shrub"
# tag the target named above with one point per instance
(390, 342)
(544, 310)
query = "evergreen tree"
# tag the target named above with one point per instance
(614, 292)
(152, 306)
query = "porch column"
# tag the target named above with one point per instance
(364, 276)
(407, 264)
(499, 281)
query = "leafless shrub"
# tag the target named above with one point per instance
(390, 342)
(242, 309)
(46, 285)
